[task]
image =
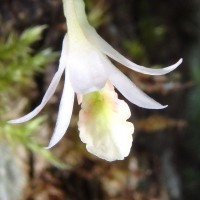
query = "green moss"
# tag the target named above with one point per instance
(18, 65)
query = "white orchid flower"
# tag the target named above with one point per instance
(84, 59)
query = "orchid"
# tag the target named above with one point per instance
(91, 75)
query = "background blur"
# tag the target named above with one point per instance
(164, 163)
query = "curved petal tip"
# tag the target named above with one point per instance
(12, 122)
(161, 107)
(179, 62)
(17, 121)
(51, 144)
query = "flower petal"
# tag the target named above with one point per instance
(115, 144)
(103, 126)
(94, 38)
(86, 62)
(87, 69)
(51, 89)
(130, 91)
(65, 112)
(106, 48)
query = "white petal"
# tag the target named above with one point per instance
(103, 126)
(65, 112)
(113, 145)
(86, 62)
(130, 91)
(51, 89)
(94, 38)
(87, 69)
(104, 47)
(110, 140)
